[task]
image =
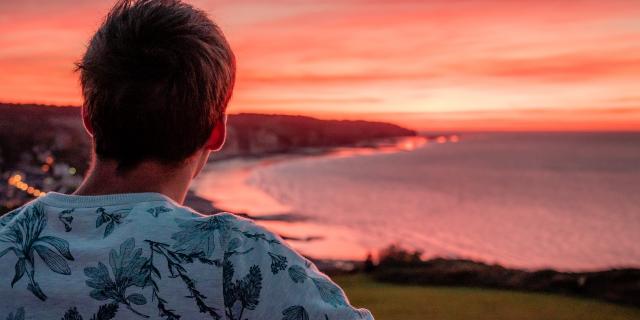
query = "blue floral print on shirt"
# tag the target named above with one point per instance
(156, 260)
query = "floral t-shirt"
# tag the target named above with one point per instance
(142, 255)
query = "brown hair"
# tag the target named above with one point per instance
(156, 78)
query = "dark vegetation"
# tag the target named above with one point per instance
(397, 265)
(29, 134)
(29, 130)
(24, 127)
(257, 134)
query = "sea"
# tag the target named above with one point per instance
(568, 201)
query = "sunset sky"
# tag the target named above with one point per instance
(459, 65)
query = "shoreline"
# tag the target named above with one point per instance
(227, 180)
(238, 168)
(618, 285)
(296, 227)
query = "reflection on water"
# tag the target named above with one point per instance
(330, 241)
(226, 184)
(567, 201)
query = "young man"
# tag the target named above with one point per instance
(156, 79)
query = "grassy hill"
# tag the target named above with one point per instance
(393, 302)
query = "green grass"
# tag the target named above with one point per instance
(399, 302)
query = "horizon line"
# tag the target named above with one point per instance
(453, 124)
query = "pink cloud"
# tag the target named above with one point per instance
(394, 53)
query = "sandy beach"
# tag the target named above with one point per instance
(227, 184)
(516, 200)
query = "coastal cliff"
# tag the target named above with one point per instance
(48, 146)
(59, 129)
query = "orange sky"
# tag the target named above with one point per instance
(445, 65)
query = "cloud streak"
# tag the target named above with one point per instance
(341, 58)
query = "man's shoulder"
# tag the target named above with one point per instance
(187, 213)
(157, 209)
(227, 224)
(6, 218)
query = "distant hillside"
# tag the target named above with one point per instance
(251, 134)
(27, 131)
(23, 127)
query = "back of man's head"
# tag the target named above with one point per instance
(156, 78)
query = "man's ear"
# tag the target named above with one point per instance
(86, 121)
(218, 135)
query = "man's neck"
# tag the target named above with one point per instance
(103, 178)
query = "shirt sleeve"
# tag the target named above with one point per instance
(264, 278)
